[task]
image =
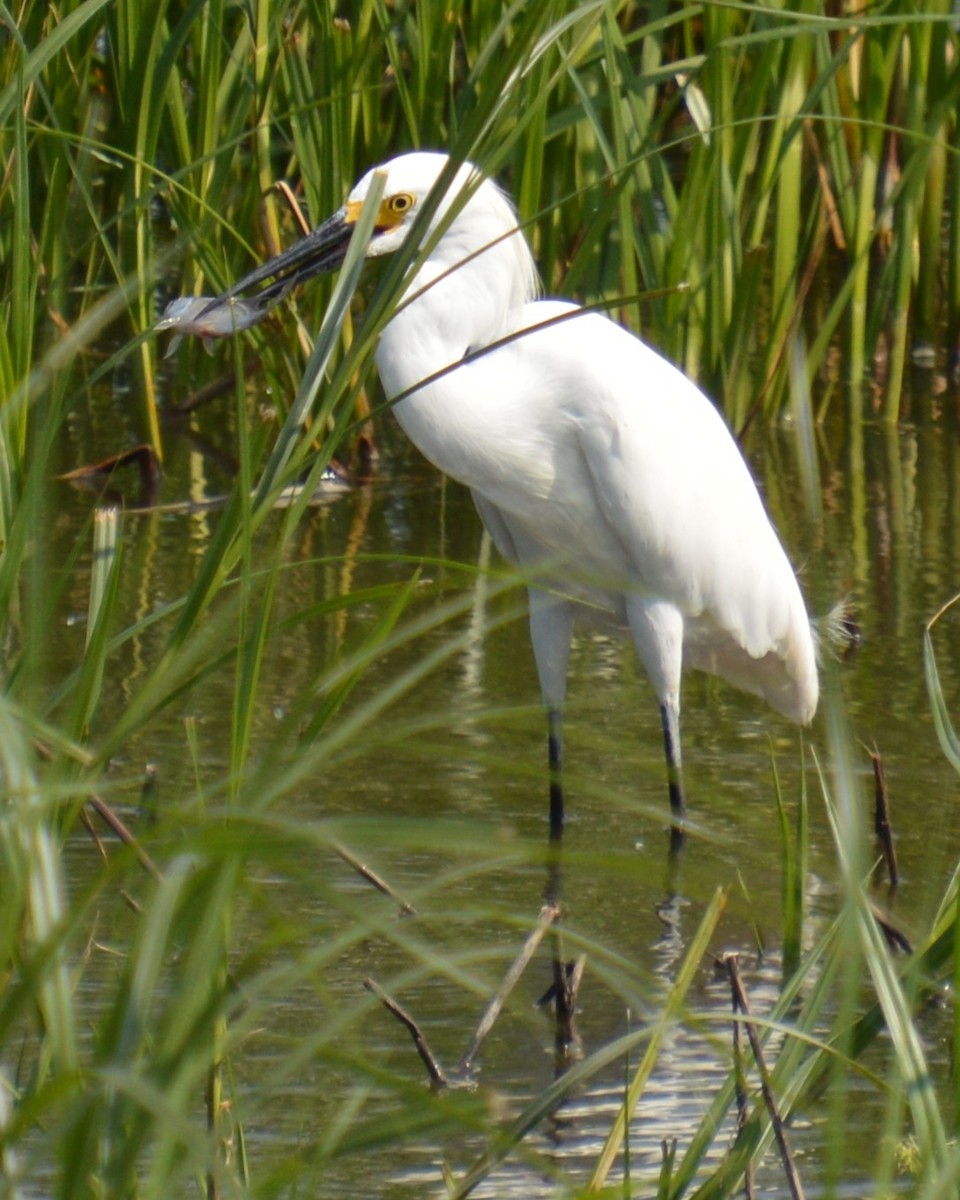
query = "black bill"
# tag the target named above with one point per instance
(323, 249)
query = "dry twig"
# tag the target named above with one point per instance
(881, 818)
(742, 1004)
(548, 914)
(429, 1060)
(406, 908)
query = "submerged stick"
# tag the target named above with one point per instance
(895, 938)
(97, 840)
(406, 908)
(776, 1120)
(133, 904)
(881, 818)
(110, 818)
(668, 1156)
(741, 1089)
(546, 917)
(429, 1060)
(567, 975)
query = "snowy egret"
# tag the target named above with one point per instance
(595, 464)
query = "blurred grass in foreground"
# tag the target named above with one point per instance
(773, 177)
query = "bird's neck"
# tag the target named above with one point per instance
(459, 301)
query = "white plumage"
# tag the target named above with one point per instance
(595, 464)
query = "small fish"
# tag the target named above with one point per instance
(210, 317)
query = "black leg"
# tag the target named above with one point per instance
(670, 719)
(555, 759)
(566, 976)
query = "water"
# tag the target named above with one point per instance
(460, 754)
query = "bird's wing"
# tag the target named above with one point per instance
(677, 498)
(672, 483)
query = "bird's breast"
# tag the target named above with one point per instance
(474, 414)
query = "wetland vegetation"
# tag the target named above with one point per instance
(219, 698)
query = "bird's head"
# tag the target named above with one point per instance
(482, 218)
(410, 180)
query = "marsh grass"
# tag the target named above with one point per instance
(737, 180)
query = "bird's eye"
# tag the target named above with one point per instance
(400, 203)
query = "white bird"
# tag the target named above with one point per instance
(596, 465)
